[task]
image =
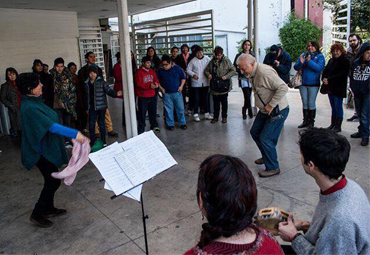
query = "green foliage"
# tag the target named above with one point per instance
(239, 47)
(296, 33)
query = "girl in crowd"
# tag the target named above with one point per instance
(335, 78)
(154, 59)
(310, 64)
(221, 68)
(244, 82)
(227, 198)
(11, 98)
(43, 145)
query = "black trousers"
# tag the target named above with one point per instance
(247, 99)
(201, 99)
(46, 200)
(147, 104)
(220, 100)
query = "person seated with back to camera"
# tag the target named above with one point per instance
(227, 197)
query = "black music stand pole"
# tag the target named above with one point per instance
(145, 217)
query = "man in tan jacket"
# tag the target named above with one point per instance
(269, 91)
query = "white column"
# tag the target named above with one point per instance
(255, 19)
(250, 16)
(306, 9)
(127, 78)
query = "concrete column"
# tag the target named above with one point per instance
(127, 77)
(306, 9)
(255, 19)
(250, 16)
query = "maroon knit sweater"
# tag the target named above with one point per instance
(264, 244)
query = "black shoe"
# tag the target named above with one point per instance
(332, 124)
(356, 135)
(244, 113)
(54, 212)
(354, 117)
(338, 125)
(365, 142)
(183, 127)
(113, 133)
(40, 221)
(311, 118)
(305, 122)
(171, 128)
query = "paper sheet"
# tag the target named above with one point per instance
(135, 193)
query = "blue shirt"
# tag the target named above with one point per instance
(171, 79)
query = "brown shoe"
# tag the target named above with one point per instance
(259, 161)
(269, 173)
(214, 120)
(224, 120)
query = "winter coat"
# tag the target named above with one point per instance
(336, 72)
(101, 89)
(223, 67)
(284, 67)
(47, 88)
(311, 70)
(360, 74)
(9, 97)
(196, 67)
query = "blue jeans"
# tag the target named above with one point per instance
(100, 115)
(336, 104)
(266, 135)
(174, 101)
(308, 95)
(362, 104)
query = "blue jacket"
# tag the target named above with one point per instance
(311, 70)
(171, 79)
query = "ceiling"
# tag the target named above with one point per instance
(90, 8)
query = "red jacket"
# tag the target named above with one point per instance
(143, 80)
(117, 74)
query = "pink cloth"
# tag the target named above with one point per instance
(80, 157)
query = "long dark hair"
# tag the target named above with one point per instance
(316, 45)
(250, 50)
(229, 197)
(10, 70)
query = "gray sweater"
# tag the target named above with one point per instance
(340, 225)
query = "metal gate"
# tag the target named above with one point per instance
(163, 34)
(342, 24)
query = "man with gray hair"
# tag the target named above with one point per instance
(269, 91)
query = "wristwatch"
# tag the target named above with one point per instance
(295, 236)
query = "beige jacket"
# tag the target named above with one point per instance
(269, 86)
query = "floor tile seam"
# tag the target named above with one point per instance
(123, 244)
(293, 198)
(166, 225)
(187, 157)
(105, 216)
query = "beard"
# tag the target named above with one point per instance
(354, 46)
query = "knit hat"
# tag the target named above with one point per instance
(26, 82)
(93, 68)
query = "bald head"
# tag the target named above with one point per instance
(246, 63)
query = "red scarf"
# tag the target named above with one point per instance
(18, 93)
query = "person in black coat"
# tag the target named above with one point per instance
(280, 60)
(47, 82)
(334, 77)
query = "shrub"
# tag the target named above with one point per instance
(295, 35)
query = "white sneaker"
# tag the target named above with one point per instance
(189, 113)
(208, 116)
(196, 117)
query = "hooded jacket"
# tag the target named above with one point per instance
(360, 73)
(100, 90)
(196, 67)
(311, 70)
(143, 81)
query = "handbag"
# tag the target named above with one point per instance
(275, 113)
(324, 89)
(296, 81)
(218, 84)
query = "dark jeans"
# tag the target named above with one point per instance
(100, 115)
(247, 92)
(336, 104)
(81, 121)
(191, 97)
(46, 200)
(147, 104)
(64, 117)
(266, 135)
(201, 96)
(217, 101)
(362, 104)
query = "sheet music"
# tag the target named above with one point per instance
(135, 193)
(112, 173)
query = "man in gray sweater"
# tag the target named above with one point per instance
(340, 224)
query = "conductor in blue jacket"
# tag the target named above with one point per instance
(311, 64)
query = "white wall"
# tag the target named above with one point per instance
(30, 34)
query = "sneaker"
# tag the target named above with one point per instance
(113, 133)
(157, 129)
(208, 116)
(259, 161)
(356, 135)
(171, 128)
(40, 221)
(105, 145)
(354, 117)
(183, 127)
(189, 113)
(54, 213)
(365, 142)
(268, 173)
(196, 117)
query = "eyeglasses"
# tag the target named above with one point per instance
(353, 40)
(166, 64)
